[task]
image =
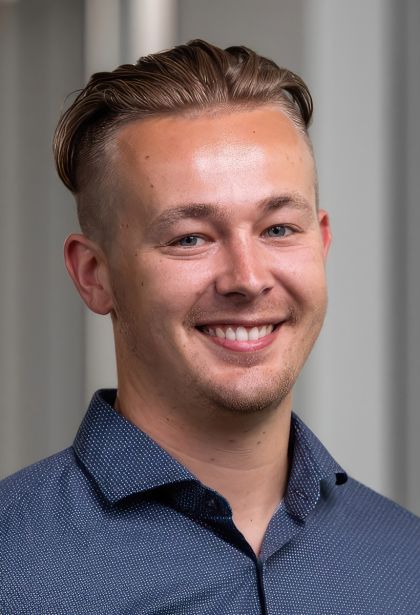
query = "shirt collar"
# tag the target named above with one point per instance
(123, 460)
(311, 464)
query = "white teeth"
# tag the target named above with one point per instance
(230, 334)
(240, 334)
(253, 334)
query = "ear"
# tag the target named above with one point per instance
(86, 264)
(325, 229)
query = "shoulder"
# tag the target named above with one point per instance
(375, 507)
(28, 478)
(34, 487)
(372, 543)
(374, 522)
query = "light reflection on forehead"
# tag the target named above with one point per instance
(228, 155)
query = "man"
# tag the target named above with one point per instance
(193, 488)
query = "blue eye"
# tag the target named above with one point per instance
(189, 241)
(279, 230)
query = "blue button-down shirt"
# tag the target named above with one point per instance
(115, 524)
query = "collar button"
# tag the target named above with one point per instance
(211, 504)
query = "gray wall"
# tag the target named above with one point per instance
(409, 195)
(41, 319)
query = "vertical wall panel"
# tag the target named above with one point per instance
(351, 396)
(41, 353)
(271, 27)
(151, 26)
(10, 436)
(411, 397)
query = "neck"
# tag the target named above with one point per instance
(242, 457)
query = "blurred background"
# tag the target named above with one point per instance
(360, 390)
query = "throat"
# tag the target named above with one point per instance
(253, 523)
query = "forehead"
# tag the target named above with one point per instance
(225, 157)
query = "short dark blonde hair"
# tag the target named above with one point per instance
(192, 78)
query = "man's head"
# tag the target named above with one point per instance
(186, 80)
(202, 234)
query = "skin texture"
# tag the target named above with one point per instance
(216, 224)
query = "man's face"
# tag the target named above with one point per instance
(217, 267)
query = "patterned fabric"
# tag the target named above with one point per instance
(114, 524)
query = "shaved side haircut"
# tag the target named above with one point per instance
(191, 79)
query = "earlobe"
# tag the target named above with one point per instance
(87, 268)
(325, 229)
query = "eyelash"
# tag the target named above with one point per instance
(285, 227)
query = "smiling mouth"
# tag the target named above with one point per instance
(240, 333)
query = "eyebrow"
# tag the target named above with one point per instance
(291, 200)
(209, 210)
(185, 212)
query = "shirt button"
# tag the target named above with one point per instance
(211, 504)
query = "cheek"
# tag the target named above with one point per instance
(192, 273)
(302, 273)
(172, 287)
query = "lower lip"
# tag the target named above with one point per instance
(248, 346)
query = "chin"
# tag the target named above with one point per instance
(248, 398)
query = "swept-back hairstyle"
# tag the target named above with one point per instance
(188, 79)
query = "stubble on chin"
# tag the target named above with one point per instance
(244, 397)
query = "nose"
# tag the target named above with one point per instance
(245, 270)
